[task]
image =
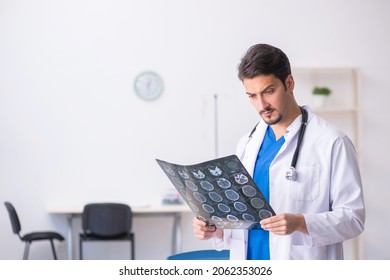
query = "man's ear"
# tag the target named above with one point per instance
(290, 83)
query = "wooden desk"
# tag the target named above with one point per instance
(174, 211)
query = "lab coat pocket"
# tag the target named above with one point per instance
(301, 252)
(307, 187)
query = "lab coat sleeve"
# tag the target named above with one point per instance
(346, 216)
(223, 243)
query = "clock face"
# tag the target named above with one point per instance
(148, 85)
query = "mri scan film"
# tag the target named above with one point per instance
(220, 192)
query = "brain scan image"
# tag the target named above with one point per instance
(178, 184)
(223, 207)
(249, 190)
(215, 218)
(240, 206)
(215, 196)
(169, 170)
(198, 174)
(220, 192)
(232, 195)
(206, 185)
(208, 208)
(183, 174)
(191, 185)
(214, 170)
(200, 197)
(241, 178)
(224, 183)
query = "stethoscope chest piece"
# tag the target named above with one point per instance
(292, 174)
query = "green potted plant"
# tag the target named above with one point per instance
(320, 95)
(321, 91)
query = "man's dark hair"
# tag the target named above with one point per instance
(263, 59)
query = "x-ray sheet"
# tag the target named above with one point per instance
(220, 192)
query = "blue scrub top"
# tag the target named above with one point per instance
(258, 239)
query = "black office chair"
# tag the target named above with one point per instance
(107, 222)
(30, 237)
(201, 255)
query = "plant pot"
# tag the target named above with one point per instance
(319, 100)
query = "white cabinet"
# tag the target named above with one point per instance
(342, 105)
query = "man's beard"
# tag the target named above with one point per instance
(268, 120)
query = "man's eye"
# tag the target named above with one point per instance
(251, 96)
(268, 91)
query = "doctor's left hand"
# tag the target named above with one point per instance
(285, 223)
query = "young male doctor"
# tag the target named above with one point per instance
(319, 201)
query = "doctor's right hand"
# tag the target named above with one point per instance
(204, 232)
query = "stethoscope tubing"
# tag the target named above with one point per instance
(291, 173)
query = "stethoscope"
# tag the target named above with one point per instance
(291, 174)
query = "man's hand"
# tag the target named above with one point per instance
(204, 232)
(285, 223)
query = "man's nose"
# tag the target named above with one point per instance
(261, 103)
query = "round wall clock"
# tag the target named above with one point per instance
(148, 85)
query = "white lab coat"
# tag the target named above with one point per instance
(328, 192)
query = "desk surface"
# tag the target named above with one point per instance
(77, 209)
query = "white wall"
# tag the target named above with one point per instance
(73, 131)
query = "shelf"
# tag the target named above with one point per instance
(335, 110)
(342, 105)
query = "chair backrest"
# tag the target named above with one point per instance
(14, 217)
(106, 219)
(202, 255)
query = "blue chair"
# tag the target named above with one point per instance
(201, 255)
